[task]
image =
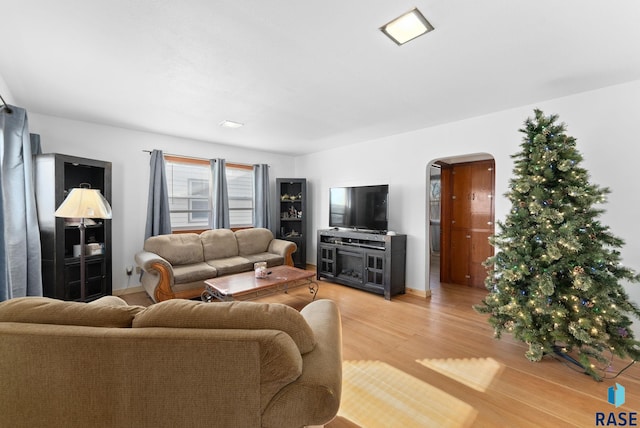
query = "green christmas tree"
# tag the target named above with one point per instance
(555, 279)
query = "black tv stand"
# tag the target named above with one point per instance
(369, 261)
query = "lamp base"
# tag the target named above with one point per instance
(83, 249)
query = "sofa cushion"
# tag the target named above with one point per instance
(253, 241)
(180, 313)
(193, 272)
(177, 249)
(270, 258)
(44, 310)
(231, 265)
(219, 244)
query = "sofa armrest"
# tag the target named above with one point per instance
(314, 398)
(283, 248)
(158, 276)
(109, 301)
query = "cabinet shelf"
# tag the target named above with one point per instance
(87, 258)
(87, 226)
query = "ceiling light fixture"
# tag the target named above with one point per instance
(231, 124)
(407, 27)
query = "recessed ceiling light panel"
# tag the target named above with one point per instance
(407, 27)
(231, 124)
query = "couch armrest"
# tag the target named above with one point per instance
(158, 276)
(109, 301)
(314, 398)
(283, 248)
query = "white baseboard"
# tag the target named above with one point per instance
(419, 293)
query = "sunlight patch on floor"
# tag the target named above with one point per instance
(375, 394)
(477, 373)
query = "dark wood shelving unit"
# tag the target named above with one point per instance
(56, 175)
(291, 224)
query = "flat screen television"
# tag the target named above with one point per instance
(359, 207)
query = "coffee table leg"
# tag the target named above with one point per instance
(206, 296)
(313, 288)
(209, 294)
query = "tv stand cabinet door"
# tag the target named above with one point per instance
(326, 261)
(374, 271)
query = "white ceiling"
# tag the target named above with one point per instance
(306, 76)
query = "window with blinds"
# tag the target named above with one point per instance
(189, 183)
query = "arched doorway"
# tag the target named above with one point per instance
(460, 217)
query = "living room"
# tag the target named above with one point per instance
(600, 119)
(599, 102)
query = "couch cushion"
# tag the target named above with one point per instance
(270, 258)
(44, 310)
(180, 313)
(253, 241)
(177, 249)
(231, 265)
(193, 272)
(219, 244)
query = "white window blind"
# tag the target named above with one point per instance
(189, 182)
(240, 188)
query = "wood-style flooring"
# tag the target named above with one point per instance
(445, 328)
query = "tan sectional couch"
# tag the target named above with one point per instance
(178, 363)
(176, 266)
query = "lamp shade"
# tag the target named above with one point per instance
(84, 203)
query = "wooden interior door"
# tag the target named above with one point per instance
(459, 247)
(461, 204)
(479, 252)
(468, 213)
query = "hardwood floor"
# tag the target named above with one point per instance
(445, 328)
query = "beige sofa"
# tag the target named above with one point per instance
(176, 266)
(178, 363)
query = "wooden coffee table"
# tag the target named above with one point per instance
(245, 286)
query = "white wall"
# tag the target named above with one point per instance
(604, 123)
(124, 148)
(4, 91)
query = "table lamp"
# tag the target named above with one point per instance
(82, 203)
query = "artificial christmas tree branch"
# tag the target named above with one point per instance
(556, 281)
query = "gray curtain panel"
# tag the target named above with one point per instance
(20, 257)
(158, 214)
(219, 196)
(262, 207)
(36, 148)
